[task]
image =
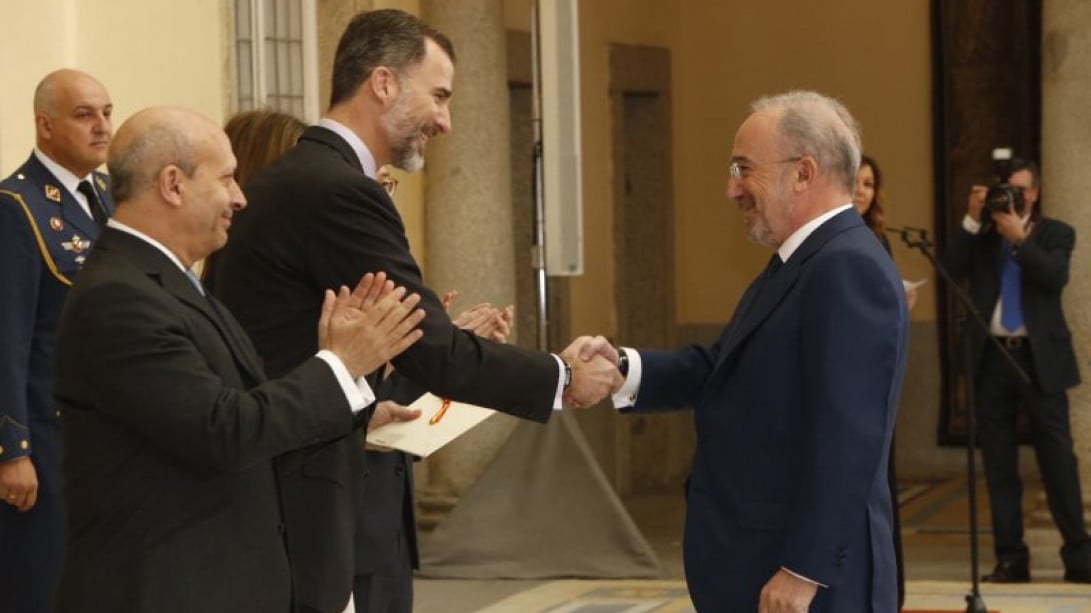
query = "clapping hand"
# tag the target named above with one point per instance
(369, 325)
(484, 319)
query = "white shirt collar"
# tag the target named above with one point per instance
(363, 154)
(117, 225)
(789, 246)
(62, 174)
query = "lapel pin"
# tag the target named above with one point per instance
(53, 193)
(56, 224)
(101, 184)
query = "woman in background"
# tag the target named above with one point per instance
(257, 138)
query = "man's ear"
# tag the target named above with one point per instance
(384, 84)
(169, 182)
(43, 125)
(806, 171)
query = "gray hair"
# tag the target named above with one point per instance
(818, 126)
(135, 164)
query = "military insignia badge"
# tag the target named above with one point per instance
(56, 224)
(76, 245)
(101, 184)
(53, 193)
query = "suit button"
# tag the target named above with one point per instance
(24, 445)
(1, 450)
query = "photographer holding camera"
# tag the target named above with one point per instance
(1017, 263)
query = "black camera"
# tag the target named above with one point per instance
(1001, 196)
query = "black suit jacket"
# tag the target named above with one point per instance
(388, 495)
(315, 221)
(1044, 259)
(169, 433)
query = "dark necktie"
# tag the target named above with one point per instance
(773, 266)
(97, 212)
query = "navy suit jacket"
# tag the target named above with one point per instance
(794, 411)
(44, 238)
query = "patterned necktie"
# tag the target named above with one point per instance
(97, 212)
(1011, 311)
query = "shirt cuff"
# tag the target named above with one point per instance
(558, 399)
(971, 226)
(799, 576)
(358, 392)
(626, 394)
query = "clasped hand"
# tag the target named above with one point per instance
(369, 325)
(594, 371)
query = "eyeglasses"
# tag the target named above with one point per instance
(738, 169)
(389, 183)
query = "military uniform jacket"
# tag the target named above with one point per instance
(44, 238)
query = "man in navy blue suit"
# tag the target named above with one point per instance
(51, 210)
(788, 507)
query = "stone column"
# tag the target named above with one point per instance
(468, 208)
(1066, 148)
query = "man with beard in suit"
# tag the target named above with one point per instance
(319, 217)
(788, 508)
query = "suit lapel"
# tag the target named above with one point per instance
(762, 299)
(174, 281)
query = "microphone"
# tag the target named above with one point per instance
(912, 237)
(906, 229)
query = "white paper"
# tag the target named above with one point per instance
(429, 432)
(908, 285)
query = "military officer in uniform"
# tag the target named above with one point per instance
(51, 210)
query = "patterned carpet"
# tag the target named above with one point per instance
(670, 597)
(936, 539)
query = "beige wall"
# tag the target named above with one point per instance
(724, 54)
(733, 52)
(165, 53)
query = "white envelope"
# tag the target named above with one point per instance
(432, 429)
(908, 285)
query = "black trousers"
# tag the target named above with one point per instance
(998, 393)
(31, 554)
(390, 588)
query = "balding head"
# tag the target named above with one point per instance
(818, 126)
(172, 176)
(72, 113)
(151, 140)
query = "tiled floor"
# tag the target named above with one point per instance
(935, 535)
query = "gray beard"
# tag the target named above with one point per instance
(406, 157)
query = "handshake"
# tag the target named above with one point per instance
(595, 374)
(376, 321)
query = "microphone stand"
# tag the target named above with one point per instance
(917, 238)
